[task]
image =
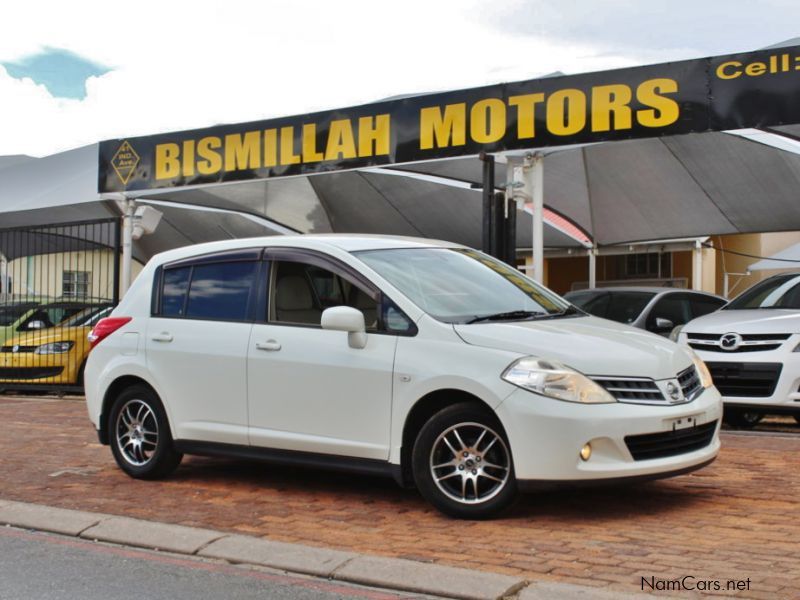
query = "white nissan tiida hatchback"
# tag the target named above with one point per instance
(426, 361)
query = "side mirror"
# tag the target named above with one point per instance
(36, 325)
(346, 318)
(664, 324)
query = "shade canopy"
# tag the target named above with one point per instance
(373, 201)
(680, 186)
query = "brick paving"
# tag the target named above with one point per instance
(737, 519)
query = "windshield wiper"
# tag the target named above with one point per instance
(508, 316)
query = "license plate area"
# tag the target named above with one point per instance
(686, 422)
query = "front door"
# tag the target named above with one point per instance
(308, 390)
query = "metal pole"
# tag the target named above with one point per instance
(4, 277)
(593, 267)
(127, 244)
(488, 201)
(534, 173)
(115, 290)
(697, 271)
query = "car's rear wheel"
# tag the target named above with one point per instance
(139, 434)
(462, 463)
(745, 419)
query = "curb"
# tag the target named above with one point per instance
(389, 573)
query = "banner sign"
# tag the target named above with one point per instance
(755, 89)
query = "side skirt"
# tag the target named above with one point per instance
(292, 458)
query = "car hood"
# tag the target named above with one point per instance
(591, 345)
(45, 336)
(765, 320)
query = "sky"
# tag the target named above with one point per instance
(73, 73)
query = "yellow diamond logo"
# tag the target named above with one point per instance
(124, 162)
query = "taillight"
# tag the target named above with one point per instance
(105, 327)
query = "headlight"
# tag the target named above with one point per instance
(702, 369)
(676, 331)
(555, 380)
(54, 348)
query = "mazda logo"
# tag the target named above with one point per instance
(730, 341)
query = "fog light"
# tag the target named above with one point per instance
(586, 451)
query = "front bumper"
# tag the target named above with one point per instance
(547, 435)
(29, 368)
(784, 397)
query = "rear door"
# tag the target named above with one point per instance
(197, 344)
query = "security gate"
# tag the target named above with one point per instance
(56, 282)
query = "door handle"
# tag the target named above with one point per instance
(162, 337)
(269, 346)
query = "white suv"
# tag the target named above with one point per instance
(752, 348)
(425, 361)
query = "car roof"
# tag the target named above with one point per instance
(322, 241)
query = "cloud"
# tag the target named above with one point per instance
(180, 65)
(62, 72)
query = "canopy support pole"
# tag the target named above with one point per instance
(4, 278)
(592, 267)
(127, 244)
(697, 271)
(534, 173)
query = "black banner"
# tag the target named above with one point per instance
(755, 89)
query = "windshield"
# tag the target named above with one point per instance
(462, 285)
(11, 314)
(87, 317)
(776, 292)
(622, 306)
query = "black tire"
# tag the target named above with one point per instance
(81, 371)
(140, 438)
(744, 419)
(482, 466)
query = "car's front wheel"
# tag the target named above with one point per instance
(139, 434)
(462, 463)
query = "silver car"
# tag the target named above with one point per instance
(656, 309)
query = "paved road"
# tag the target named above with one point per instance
(735, 519)
(39, 566)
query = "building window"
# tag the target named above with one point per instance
(75, 284)
(647, 266)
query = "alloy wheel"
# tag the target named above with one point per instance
(470, 463)
(137, 432)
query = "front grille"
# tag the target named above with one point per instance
(29, 372)
(633, 390)
(8, 349)
(689, 381)
(748, 380)
(670, 443)
(751, 342)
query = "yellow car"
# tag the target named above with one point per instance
(51, 354)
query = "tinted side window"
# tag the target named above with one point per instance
(173, 291)
(301, 292)
(674, 307)
(221, 291)
(596, 305)
(627, 306)
(702, 305)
